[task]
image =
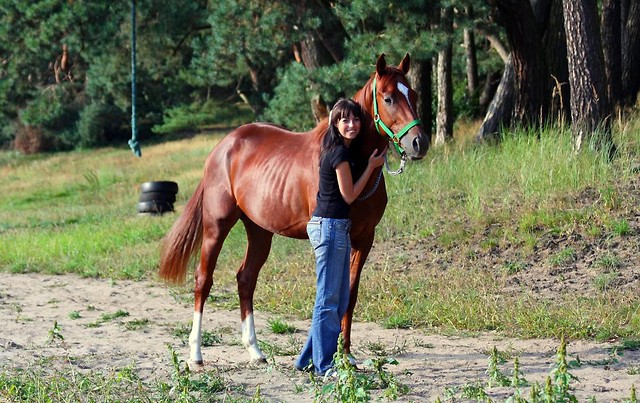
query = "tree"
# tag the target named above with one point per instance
(612, 46)
(538, 60)
(444, 118)
(529, 68)
(470, 52)
(631, 53)
(590, 111)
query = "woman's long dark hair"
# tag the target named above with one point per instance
(343, 108)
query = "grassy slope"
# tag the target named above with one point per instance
(525, 237)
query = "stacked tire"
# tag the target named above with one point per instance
(157, 197)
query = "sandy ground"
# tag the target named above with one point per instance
(428, 363)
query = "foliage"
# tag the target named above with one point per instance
(209, 113)
(189, 53)
(344, 383)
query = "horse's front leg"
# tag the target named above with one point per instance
(359, 252)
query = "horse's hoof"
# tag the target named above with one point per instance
(195, 365)
(352, 360)
(258, 361)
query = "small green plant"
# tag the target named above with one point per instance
(604, 281)
(136, 324)
(55, 335)
(496, 377)
(620, 227)
(74, 315)
(279, 327)
(349, 385)
(560, 378)
(632, 398)
(397, 322)
(108, 317)
(564, 256)
(514, 267)
(386, 380)
(185, 389)
(608, 261)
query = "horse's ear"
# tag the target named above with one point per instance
(381, 65)
(405, 64)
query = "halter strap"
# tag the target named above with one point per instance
(395, 137)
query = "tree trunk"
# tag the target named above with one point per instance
(631, 54)
(612, 46)
(489, 88)
(444, 118)
(501, 107)
(470, 52)
(323, 46)
(554, 43)
(420, 79)
(590, 112)
(528, 61)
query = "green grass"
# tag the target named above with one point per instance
(75, 213)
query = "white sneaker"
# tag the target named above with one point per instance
(330, 376)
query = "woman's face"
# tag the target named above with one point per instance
(349, 127)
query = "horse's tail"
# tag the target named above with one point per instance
(183, 240)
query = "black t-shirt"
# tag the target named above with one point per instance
(330, 201)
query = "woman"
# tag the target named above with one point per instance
(328, 232)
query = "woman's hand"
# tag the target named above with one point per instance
(377, 159)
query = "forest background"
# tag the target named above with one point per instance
(65, 66)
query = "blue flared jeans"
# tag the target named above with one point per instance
(332, 247)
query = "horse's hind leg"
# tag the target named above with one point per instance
(258, 247)
(215, 232)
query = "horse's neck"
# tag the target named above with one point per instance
(372, 139)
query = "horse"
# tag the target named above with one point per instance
(267, 177)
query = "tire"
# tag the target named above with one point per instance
(157, 196)
(155, 207)
(159, 186)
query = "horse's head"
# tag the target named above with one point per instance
(391, 101)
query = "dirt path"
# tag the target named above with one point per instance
(428, 363)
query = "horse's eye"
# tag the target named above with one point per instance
(387, 100)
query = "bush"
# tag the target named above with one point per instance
(98, 125)
(290, 105)
(197, 115)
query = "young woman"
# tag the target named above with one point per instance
(328, 232)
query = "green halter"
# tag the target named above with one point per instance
(379, 123)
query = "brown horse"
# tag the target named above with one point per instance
(267, 177)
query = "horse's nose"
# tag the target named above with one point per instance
(420, 146)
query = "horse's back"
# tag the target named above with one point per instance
(270, 172)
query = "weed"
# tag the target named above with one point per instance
(632, 398)
(514, 267)
(350, 385)
(604, 281)
(108, 317)
(620, 227)
(74, 315)
(635, 370)
(279, 327)
(496, 377)
(55, 335)
(136, 324)
(397, 322)
(559, 381)
(563, 257)
(608, 262)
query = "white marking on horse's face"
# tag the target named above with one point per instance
(405, 91)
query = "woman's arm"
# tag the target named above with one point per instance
(349, 190)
